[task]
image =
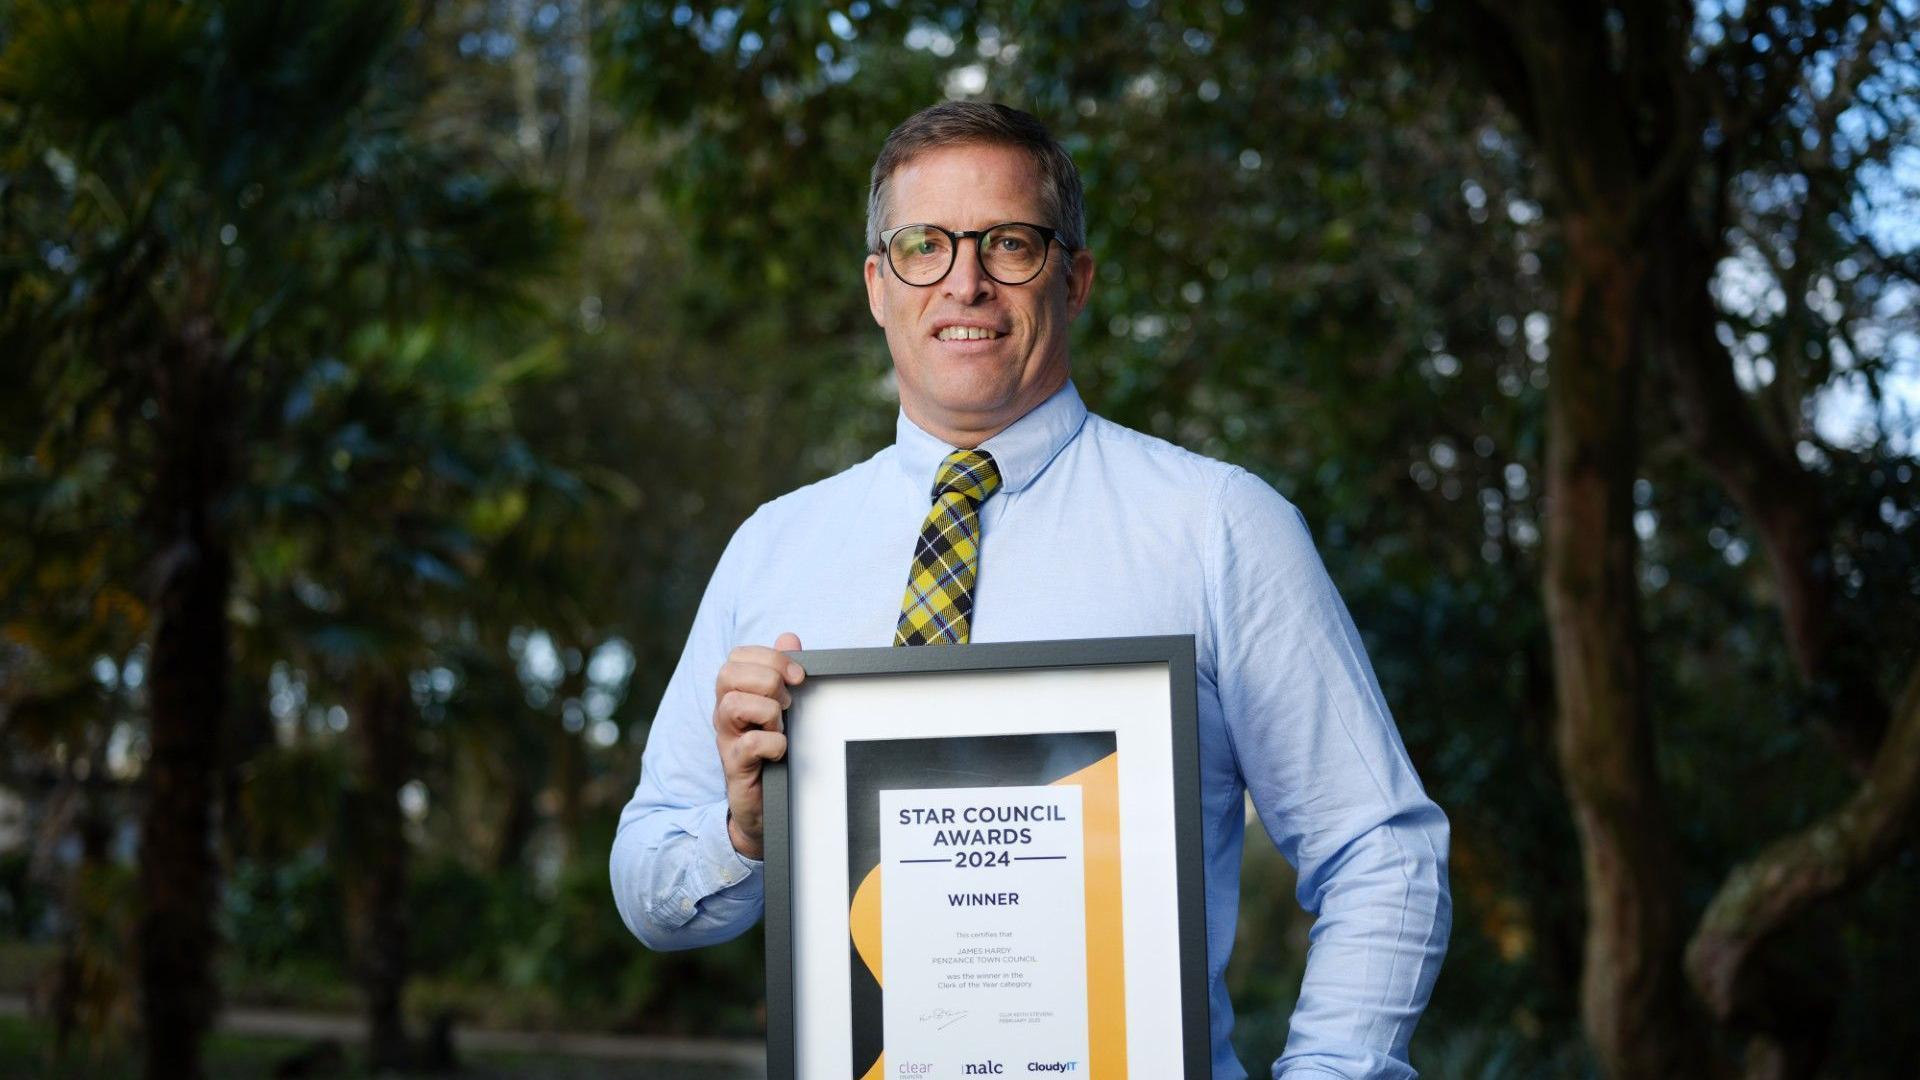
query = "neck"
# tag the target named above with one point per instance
(967, 432)
(966, 436)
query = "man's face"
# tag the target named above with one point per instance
(965, 390)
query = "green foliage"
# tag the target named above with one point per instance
(286, 914)
(511, 359)
(21, 906)
(290, 797)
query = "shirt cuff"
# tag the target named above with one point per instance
(721, 867)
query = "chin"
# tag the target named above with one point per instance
(972, 397)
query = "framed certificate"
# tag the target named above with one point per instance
(985, 860)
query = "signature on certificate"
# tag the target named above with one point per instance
(951, 1017)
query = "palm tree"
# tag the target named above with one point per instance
(394, 543)
(219, 194)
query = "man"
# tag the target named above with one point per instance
(977, 266)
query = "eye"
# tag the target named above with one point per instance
(1010, 243)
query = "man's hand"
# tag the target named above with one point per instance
(747, 701)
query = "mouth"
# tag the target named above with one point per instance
(959, 332)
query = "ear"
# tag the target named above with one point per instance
(876, 289)
(1079, 283)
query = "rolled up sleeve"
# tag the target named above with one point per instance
(677, 880)
(1332, 783)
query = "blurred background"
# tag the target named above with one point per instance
(381, 382)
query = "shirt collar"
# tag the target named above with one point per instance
(1020, 452)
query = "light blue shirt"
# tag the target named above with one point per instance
(1097, 531)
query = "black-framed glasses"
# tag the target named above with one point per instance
(1011, 253)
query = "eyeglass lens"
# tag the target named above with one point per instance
(1010, 254)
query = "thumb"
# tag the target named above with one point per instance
(788, 643)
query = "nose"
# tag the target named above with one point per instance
(967, 282)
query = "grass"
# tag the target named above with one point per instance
(26, 1049)
(26, 1044)
(322, 988)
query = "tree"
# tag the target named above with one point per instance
(393, 538)
(1663, 134)
(226, 186)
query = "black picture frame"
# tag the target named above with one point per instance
(1174, 651)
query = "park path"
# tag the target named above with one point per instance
(732, 1059)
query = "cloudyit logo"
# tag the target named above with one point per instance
(1053, 1066)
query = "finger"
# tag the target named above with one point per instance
(762, 679)
(756, 654)
(739, 711)
(754, 747)
(789, 642)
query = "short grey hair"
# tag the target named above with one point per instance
(959, 123)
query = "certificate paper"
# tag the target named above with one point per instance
(984, 907)
(983, 930)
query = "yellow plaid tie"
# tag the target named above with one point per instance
(938, 607)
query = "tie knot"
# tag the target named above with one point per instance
(968, 473)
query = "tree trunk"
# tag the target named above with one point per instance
(1633, 1000)
(382, 744)
(84, 989)
(1576, 85)
(188, 698)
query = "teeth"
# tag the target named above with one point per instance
(966, 333)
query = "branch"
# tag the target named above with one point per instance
(1489, 38)
(1667, 95)
(1903, 265)
(1823, 860)
(1674, 167)
(1774, 492)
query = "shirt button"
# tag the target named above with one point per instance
(686, 905)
